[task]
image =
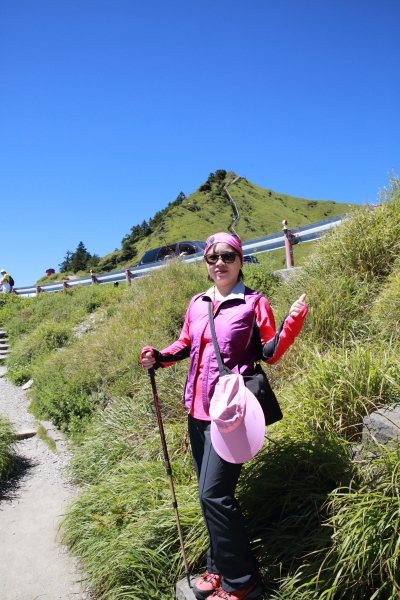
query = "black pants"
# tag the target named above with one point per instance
(229, 551)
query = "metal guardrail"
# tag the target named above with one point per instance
(305, 233)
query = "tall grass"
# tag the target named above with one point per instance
(7, 440)
(346, 271)
(365, 518)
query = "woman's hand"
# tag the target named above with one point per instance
(147, 359)
(297, 306)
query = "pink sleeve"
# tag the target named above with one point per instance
(275, 343)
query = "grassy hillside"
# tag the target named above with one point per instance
(324, 523)
(207, 210)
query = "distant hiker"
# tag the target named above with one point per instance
(66, 285)
(93, 276)
(217, 412)
(6, 282)
(128, 276)
(39, 289)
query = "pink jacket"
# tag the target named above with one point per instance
(233, 319)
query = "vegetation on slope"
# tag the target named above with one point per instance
(39, 325)
(324, 525)
(7, 440)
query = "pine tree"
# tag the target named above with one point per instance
(80, 258)
(66, 263)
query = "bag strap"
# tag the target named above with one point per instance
(257, 341)
(223, 370)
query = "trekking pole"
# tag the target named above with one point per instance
(168, 469)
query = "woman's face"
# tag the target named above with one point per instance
(223, 273)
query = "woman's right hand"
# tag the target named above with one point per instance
(147, 359)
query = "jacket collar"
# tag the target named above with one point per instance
(236, 294)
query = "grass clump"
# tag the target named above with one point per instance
(43, 435)
(7, 441)
(365, 520)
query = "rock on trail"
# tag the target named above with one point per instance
(33, 564)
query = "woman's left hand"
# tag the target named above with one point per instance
(297, 306)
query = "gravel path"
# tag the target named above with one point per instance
(33, 565)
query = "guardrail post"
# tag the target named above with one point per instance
(288, 245)
(128, 276)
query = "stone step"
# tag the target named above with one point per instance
(183, 591)
(25, 434)
(27, 385)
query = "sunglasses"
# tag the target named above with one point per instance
(226, 257)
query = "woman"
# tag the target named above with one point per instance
(232, 572)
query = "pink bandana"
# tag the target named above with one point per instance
(226, 238)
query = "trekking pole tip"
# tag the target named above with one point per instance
(188, 579)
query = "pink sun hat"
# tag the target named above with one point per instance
(237, 420)
(227, 238)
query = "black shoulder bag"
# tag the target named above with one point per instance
(258, 383)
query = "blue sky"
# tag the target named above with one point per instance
(109, 108)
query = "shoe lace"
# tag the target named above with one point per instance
(221, 593)
(210, 577)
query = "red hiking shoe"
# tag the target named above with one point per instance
(206, 585)
(253, 592)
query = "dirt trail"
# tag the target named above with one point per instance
(33, 565)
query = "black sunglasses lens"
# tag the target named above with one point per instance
(226, 257)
